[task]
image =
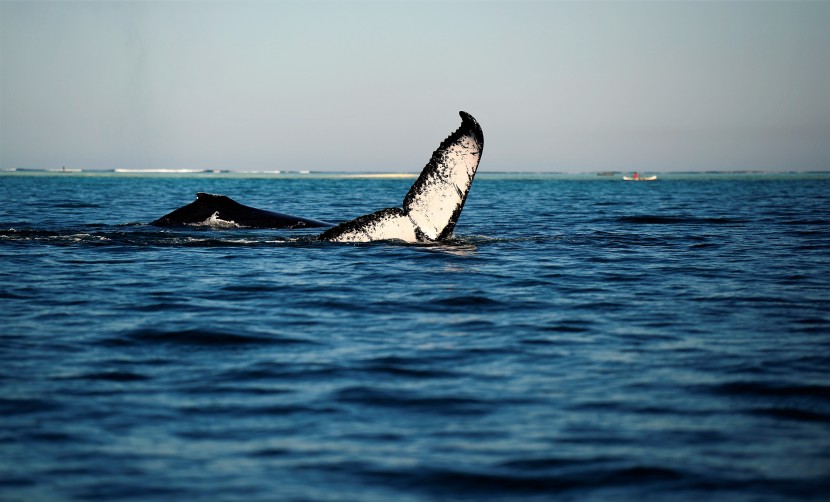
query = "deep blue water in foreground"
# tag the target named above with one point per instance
(581, 339)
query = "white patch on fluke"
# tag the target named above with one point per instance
(433, 204)
(215, 221)
(388, 224)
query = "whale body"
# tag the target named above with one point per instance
(211, 209)
(429, 211)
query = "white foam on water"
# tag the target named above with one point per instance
(214, 221)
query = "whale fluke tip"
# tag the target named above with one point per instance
(470, 121)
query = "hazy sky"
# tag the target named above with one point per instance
(560, 86)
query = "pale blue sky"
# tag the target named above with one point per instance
(556, 86)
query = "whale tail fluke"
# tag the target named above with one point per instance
(433, 205)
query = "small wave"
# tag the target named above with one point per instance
(469, 303)
(250, 288)
(573, 327)
(754, 388)
(788, 413)
(114, 376)
(265, 372)
(66, 237)
(804, 222)
(452, 405)
(677, 220)
(144, 237)
(24, 406)
(166, 306)
(27, 234)
(271, 452)
(77, 205)
(249, 410)
(197, 337)
(56, 437)
(243, 389)
(507, 482)
(545, 463)
(396, 366)
(9, 295)
(466, 300)
(808, 403)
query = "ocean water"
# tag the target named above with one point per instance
(581, 338)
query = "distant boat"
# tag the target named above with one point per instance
(637, 177)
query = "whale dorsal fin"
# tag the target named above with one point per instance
(432, 206)
(208, 209)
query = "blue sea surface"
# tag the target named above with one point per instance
(581, 338)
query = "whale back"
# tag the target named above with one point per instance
(433, 204)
